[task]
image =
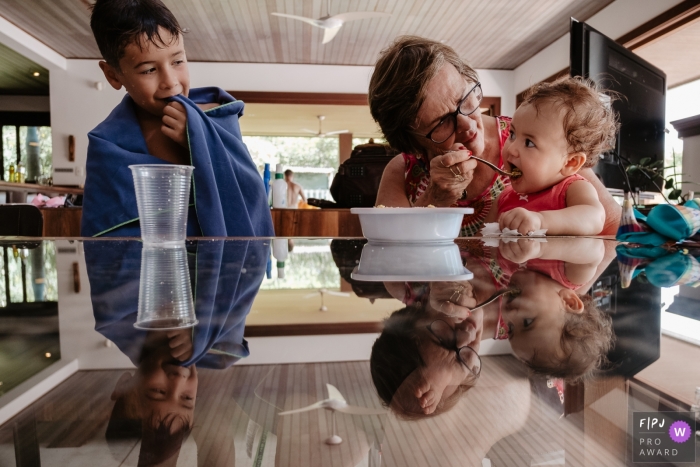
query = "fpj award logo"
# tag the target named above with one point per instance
(663, 437)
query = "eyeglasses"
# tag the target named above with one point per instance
(448, 125)
(447, 337)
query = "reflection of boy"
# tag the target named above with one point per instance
(160, 121)
(157, 402)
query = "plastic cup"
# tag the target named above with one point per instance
(162, 197)
(165, 294)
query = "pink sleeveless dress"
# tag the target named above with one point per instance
(417, 178)
(551, 199)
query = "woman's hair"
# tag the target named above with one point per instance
(590, 123)
(398, 86)
(586, 339)
(395, 358)
(118, 23)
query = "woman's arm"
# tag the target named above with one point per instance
(613, 211)
(392, 191)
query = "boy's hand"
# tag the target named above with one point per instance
(180, 343)
(175, 123)
(520, 219)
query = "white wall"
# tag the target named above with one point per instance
(615, 20)
(77, 106)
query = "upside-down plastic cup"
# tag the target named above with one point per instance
(162, 197)
(165, 294)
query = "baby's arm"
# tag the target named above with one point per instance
(584, 215)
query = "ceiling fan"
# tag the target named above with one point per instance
(336, 403)
(332, 24)
(320, 132)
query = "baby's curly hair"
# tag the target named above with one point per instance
(590, 123)
(586, 338)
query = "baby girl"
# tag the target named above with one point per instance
(559, 128)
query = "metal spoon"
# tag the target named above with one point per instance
(497, 295)
(516, 173)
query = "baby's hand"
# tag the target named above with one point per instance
(180, 343)
(175, 123)
(520, 251)
(520, 219)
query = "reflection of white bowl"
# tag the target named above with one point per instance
(415, 225)
(411, 262)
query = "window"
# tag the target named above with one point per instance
(20, 143)
(28, 274)
(681, 102)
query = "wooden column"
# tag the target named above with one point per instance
(344, 146)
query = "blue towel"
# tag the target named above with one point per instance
(228, 195)
(226, 276)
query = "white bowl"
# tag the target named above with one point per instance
(411, 225)
(411, 262)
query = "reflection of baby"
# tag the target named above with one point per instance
(157, 403)
(553, 329)
(560, 128)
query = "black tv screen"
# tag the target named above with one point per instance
(641, 107)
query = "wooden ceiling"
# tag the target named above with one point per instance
(17, 75)
(677, 54)
(496, 34)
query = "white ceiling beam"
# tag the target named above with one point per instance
(22, 43)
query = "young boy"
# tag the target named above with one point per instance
(162, 121)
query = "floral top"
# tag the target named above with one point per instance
(418, 177)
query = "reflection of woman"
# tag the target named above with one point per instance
(426, 100)
(419, 370)
(552, 327)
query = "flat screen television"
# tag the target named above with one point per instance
(641, 107)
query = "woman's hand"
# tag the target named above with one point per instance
(454, 299)
(450, 175)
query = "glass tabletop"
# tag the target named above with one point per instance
(286, 352)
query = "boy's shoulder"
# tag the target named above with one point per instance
(122, 115)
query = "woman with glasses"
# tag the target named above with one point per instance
(426, 100)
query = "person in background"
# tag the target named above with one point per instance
(294, 191)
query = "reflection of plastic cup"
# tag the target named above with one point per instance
(162, 196)
(165, 295)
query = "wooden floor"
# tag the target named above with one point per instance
(502, 419)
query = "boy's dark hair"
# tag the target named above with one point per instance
(118, 23)
(288, 172)
(586, 338)
(161, 438)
